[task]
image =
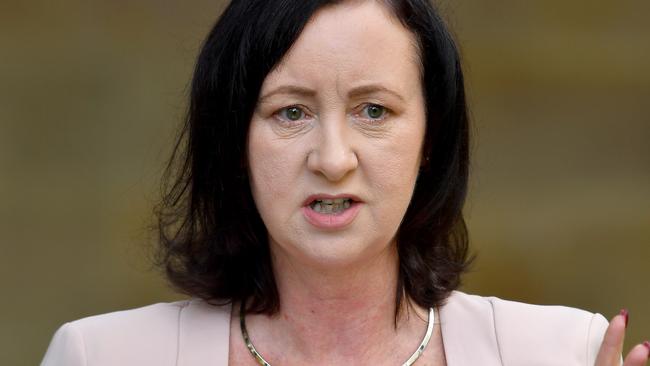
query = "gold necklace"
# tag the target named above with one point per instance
(418, 352)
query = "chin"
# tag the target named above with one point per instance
(329, 252)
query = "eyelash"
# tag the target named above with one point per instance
(384, 115)
(287, 121)
(279, 113)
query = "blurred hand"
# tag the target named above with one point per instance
(612, 346)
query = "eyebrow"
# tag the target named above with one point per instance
(373, 88)
(310, 93)
(290, 89)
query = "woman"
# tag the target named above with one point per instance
(317, 215)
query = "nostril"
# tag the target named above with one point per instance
(332, 162)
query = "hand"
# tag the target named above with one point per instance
(612, 346)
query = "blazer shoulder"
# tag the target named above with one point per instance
(549, 335)
(138, 319)
(145, 335)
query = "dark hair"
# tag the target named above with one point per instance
(213, 243)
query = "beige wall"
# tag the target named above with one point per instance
(92, 91)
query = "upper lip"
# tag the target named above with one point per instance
(325, 196)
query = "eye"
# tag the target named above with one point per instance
(374, 111)
(291, 114)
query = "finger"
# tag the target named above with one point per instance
(612, 346)
(639, 355)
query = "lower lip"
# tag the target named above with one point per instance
(332, 221)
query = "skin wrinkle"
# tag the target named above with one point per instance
(337, 287)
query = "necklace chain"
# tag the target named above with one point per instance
(418, 352)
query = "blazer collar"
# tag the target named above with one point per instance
(204, 332)
(468, 331)
(466, 321)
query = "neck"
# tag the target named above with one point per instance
(343, 315)
(345, 299)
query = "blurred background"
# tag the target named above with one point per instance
(92, 93)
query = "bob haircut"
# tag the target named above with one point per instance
(212, 241)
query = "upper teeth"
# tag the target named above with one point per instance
(330, 206)
(337, 201)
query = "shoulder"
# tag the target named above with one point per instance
(547, 335)
(160, 334)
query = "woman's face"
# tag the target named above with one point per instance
(335, 142)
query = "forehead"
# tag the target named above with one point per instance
(351, 41)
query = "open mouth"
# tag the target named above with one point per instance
(331, 212)
(331, 206)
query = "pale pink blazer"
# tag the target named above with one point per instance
(475, 330)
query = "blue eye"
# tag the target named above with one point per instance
(292, 114)
(375, 111)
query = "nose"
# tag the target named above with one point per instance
(333, 156)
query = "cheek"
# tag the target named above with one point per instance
(400, 156)
(395, 169)
(272, 168)
(395, 178)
